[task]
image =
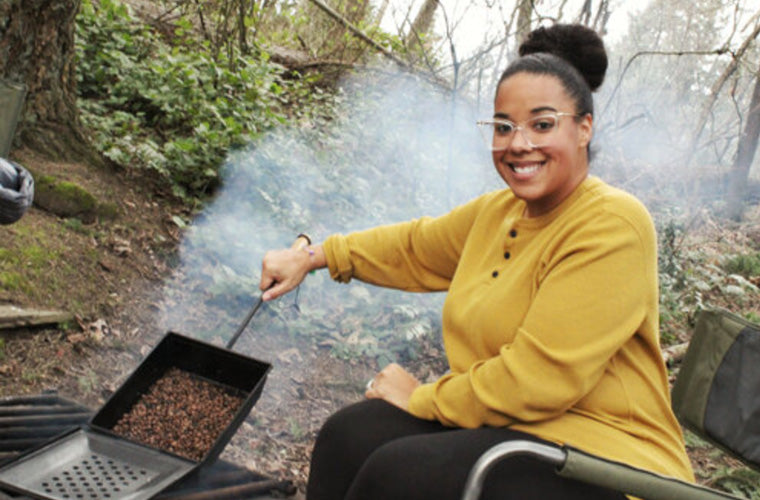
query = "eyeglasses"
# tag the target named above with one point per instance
(499, 133)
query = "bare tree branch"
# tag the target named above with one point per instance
(369, 41)
(716, 52)
(359, 33)
(715, 89)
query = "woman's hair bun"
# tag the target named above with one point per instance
(580, 46)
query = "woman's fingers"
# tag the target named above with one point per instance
(393, 384)
(282, 271)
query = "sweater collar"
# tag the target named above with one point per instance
(541, 221)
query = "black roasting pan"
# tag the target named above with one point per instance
(240, 374)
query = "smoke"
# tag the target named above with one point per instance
(656, 137)
(399, 149)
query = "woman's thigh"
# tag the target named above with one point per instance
(372, 450)
(350, 436)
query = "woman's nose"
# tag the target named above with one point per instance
(521, 141)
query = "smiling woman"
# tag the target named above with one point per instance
(551, 315)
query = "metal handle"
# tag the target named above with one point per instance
(301, 242)
(474, 486)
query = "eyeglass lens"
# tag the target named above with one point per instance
(499, 134)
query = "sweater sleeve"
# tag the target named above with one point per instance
(419, 255)
(593, 295)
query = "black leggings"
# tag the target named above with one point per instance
(372, 451)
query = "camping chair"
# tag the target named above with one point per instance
(715, 396)
(11, 101)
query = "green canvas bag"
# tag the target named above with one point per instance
(717, 391)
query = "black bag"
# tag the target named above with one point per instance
(16, 191)
(717, 392)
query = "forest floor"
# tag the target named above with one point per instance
(111, 275)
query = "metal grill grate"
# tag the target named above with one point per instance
(28, 421)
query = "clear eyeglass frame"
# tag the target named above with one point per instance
(499, 133)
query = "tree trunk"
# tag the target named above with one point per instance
(737, 188)
(525, 11)
(381, 13)
(242, 28)
(37, 49)
(356, 10)
(422, 24)
(584, 17)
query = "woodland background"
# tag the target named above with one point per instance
(175, 141)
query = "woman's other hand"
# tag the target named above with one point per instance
(393, 384)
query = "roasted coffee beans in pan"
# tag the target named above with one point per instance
(180, 413)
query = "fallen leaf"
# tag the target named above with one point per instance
(290, 356)
(97, 330)
(76, 338)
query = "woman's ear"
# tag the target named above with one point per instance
(586, 130)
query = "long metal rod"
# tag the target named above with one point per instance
(230, 492)
(247, 320)
(474, 486)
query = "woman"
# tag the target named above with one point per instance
(550, 322)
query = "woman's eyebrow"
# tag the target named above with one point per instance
(534, 111)
(541, 109)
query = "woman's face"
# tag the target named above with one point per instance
(545, 171)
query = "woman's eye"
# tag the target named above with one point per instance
(503, 128)
(543, 124)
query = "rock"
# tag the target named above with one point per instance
(68, 199)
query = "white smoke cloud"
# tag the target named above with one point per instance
(400, 149)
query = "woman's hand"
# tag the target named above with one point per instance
(393, 384)
(283, 270)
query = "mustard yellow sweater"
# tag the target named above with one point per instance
(550, 324)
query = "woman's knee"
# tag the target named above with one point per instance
(346, 423)
(407, 468)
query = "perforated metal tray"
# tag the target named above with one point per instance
(87, 465)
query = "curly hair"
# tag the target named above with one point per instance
(572, 53)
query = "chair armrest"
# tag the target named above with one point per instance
(501, 451)
(577, 465)
(636, 482)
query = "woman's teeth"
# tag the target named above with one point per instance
(526, 169)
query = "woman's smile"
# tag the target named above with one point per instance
(525, 169)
